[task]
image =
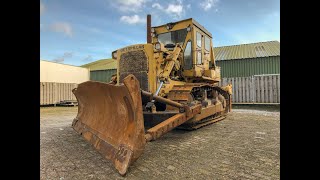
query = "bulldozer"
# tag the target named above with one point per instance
(170, 82)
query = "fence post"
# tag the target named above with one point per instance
(253, 89)
(278, 88)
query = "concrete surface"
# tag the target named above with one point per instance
(246, 145)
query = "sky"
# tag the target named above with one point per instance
(78, 32)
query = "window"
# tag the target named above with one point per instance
(199, 58)
(207, 43)
(173, 37)
(199, 51)
(199, 39)
(187, 56)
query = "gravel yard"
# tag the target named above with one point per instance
(245, 145)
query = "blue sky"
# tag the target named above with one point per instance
(77, 32)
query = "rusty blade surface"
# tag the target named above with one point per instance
(110, 118)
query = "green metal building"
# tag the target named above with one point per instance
(248, 59)
(102, 70)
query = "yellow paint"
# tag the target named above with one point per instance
(160, 68)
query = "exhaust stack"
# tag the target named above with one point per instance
(149, 28)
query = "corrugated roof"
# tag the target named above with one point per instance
(243, 51)
(102, 64)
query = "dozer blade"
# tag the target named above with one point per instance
(110, 118)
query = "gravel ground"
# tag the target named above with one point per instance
(246, 145)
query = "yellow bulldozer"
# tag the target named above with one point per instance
(170, 82)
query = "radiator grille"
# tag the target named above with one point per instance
(136, 63)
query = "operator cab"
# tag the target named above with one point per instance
(195, 41)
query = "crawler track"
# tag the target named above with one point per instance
(192, 93)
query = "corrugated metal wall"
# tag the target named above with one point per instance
(249, 67)
(62, 73)
(263, 89)
(102, 75)
(53, 93)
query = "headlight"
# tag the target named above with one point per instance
(153, 34)
(188, 28)
(114, 55)
(157, 46)
(153, 30)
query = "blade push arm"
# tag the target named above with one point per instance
(185, 114)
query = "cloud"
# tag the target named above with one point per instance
(65, 55)
(208, 4)
(129, 5)
(135, 19)
(175, 9)
(88, 58)
(62, 27)
(42, 8)
(157, 5)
